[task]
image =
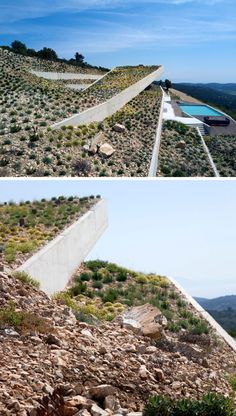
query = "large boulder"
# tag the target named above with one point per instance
(102, 391)
(146, 320)
(106, 150)
(119, 128)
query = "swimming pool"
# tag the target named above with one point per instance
(199, 110)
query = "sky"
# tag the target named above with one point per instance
(195, 40)
(178, 228)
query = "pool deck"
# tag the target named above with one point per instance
(172, 111)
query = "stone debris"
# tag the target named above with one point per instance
(82, 370)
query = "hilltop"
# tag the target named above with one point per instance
(75, 353)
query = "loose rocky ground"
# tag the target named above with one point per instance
(128, 138)
(67, 367)
(181, 152)
(223, 151)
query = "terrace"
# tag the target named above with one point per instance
(28, 226)
(182, 152)
(76, 151)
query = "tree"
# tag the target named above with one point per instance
(19, 47)
(47, 53)
(79, 58)
(168, 84)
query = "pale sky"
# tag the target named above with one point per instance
(182, 228)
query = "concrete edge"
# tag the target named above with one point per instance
(217, 327)
(79, 76)
(155, 154)
(55, 240)
(211, 161)
(97, 80)
(158, 72)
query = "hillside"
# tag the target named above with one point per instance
(61, 363)
(31, 104)
(218, 304)
(223, 310)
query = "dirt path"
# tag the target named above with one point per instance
(184, 96)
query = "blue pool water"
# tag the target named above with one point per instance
(199, 110)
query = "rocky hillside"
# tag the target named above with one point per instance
(58, 362)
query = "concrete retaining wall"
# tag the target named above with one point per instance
(101, 111)
(55, 76)
(221, 332)
(156, 148)
(55, 263)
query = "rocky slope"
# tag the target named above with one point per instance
(53, 364)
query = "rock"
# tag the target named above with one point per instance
(77, 401)
(143, 372)
(97, 411)
(106, 150)
(10, 332)
(135, 414)
(159, 374)
(119, 128)
(93, 149)
(181, 144)
(151, 349)
(48, 389)
(111, 403)
(52, 340)
(87, 333)
(143, 320)
(98, 139)
(102, 350)
(86, 147)
(102, 391)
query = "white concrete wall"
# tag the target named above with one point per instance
(101, 111)
(55, 263)
(55, 76)
(220, 331)
(156, 148)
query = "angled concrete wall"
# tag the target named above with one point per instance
(221, 332)
(56, 76)
(155, 153)
(101, 111)
(55, 263)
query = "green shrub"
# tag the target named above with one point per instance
(97, 285)
(200, 328)
(84, 277)
(25, 278)
(121, 276)
(232, 381)
(110, 295)
(211, 404)
(22, 321)
(158, 406)
(173, 327)
(95, 265)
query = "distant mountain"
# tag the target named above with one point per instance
(228, 88)
(223, 310)
(218, 304)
